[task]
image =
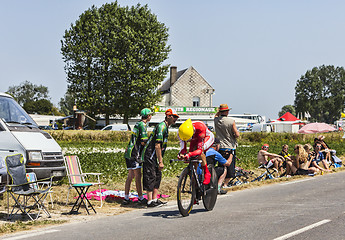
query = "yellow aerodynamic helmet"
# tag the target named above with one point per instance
(186, 130)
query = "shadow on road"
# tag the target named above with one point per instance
(172, 214)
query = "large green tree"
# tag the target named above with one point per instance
(321, 92)
(114, 59)
(27, 92)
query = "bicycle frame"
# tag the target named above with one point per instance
(191, 184)
(192, 163)
(267, 174)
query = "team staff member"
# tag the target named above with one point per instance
(152, 156)
(200, 138)
(227, 133)
(133, 155)
(213, 157)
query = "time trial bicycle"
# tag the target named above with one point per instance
(190, 187)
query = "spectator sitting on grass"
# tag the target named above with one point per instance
(318, 157)
(309, 149)
(286, 155)
(269, 159)
(325, 149)
(300, 163)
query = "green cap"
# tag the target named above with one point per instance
(145, 112)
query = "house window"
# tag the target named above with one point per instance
(196, 101)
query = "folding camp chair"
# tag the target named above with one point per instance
(76, 176)
(31, 177)
(23, 192)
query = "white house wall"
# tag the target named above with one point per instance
(191, 84)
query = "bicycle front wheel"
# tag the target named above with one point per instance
(185, 192)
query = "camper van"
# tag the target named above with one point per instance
(19, 133)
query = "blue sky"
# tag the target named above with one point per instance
(251, 52)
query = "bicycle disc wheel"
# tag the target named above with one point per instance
(209, 197)
(185, 192)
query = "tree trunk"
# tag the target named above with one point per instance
(125, 118)
(106, 118)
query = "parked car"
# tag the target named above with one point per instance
(116, 127)
(45, 127)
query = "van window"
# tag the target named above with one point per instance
(10, 111)
(107, 128)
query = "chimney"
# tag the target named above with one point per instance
(173, 75)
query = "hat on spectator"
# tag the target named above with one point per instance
(145, 112)
(171, 111)
(265, 145)
(224, 107)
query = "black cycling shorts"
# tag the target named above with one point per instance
(152, 176)
(230, 169)
(132, 163)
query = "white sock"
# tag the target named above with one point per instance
(154, 200)
(141, 197)
(149, 202)
(127, 197)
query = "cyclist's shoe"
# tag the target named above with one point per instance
(126, 202)
(207, 175)
(222, 191)
(207, 178)
(143, 201)
(153, 204)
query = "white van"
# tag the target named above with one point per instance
(20, 134)
(116, 127)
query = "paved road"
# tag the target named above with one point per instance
(310, 208)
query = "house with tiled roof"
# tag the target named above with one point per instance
(186, 88)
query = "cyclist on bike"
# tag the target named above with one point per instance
(200, 138)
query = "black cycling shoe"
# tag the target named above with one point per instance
(126, 202)
(143, 201)
(160, 202)
(153, 204)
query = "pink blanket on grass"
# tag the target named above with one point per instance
(116, 194)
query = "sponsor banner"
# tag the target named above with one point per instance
(187, 109)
